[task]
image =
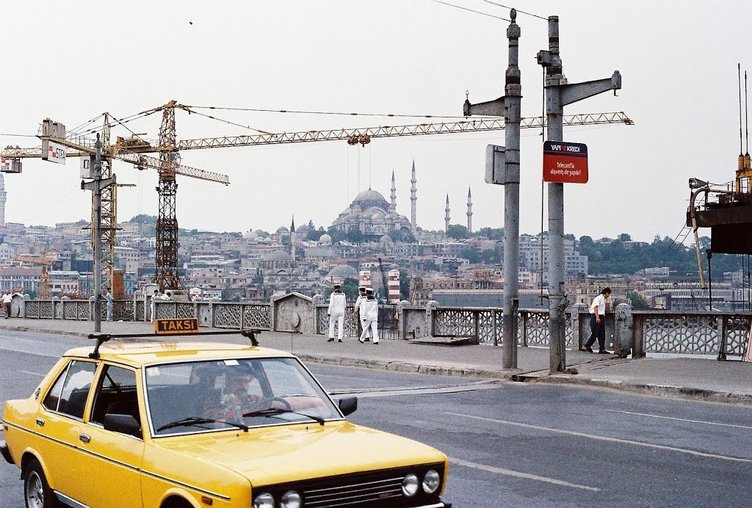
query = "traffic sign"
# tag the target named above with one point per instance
(565, 162)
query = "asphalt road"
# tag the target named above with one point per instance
(513, 444)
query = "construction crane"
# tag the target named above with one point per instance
(133, 150)
(125, 149)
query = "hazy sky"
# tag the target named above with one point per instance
(71, 61)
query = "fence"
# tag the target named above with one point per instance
(688, 332)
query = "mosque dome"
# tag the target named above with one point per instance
(386, 240)
(342, 272)
(369, 198)
(325, 239)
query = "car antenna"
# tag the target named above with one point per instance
(101, 339)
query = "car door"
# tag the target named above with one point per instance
(111, 461)
(59, 424)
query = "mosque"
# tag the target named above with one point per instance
(375, 217)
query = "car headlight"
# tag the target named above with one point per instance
(431, 481)
(410, 485)
(290, 499)
(264, 500)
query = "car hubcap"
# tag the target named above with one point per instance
(34, 492)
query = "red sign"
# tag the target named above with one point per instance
(565, 162)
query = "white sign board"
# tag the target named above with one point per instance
(53, 152)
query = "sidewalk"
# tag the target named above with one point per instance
(711, 380)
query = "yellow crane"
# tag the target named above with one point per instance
(134, 150)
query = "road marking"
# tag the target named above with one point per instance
(704, 422)
(14, 350)
(518, 474)
(392, 392)
(33, 373)
(609, 439)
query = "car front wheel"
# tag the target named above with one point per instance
(37, 493)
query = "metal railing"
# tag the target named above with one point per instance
(687, 332)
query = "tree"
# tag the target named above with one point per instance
(354, 235)
(457, 231)
(637, 300)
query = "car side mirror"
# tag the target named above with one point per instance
(125, 424)
(348, 405)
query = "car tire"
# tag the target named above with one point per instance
(37, 493)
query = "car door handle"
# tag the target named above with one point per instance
(40, 422)
(84, 437)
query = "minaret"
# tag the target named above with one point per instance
(3, 196)
(413, 201)
(393, 205)
(469, 211)
(292, 240)
(446, 215)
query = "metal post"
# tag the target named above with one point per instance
(559, 93)
(512, 106)
(554, 113)
(97, 225)
(508, 106)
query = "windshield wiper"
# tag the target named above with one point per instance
(195, 420)
(274, 411)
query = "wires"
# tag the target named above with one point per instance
(471, 10)
(11, 135)
(518, 10)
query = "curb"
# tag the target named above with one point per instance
(401, 366)
(682, 392)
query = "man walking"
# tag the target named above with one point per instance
(336, 312)
(369, 309)
(598, 322)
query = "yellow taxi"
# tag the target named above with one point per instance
(198, 424)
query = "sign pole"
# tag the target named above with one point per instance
(559, 93)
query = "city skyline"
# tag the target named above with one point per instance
(392, 57)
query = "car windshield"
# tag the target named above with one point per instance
(234, 393)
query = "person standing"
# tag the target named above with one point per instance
(336, 312)
(7, 298)
(359, 315)
(154, 298)
(110, 300)
(598, 322)
(369, 309)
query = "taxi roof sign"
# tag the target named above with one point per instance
(175, 326)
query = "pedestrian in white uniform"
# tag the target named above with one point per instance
(369, 309)
(336, 312)
(359, 314)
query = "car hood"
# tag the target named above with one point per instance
(271, 455)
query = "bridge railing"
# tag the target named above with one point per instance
(636, 332)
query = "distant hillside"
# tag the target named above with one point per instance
(622, 256)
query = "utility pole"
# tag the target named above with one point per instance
(503, 168)
(96, 186)
(559, 93)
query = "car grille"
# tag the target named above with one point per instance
(382, 489)
(366, 493)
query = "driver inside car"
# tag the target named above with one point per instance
(237, 397)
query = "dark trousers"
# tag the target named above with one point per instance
(597, 330)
